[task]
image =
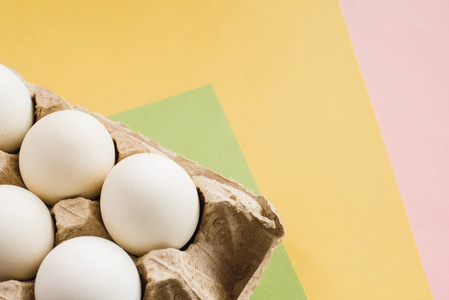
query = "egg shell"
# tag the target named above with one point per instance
(26, 233)
(88, 268)
(66, 154)
(16, 110)
(149, 202)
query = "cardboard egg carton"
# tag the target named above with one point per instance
(236, 236)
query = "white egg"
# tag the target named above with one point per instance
(26, 233)
(66, 154)
(16, 110)
(149, 202)
(87, 268)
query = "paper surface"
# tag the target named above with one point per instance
(289, 83)
(402, 48)
(193, 125)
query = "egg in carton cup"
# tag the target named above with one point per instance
(237, 233)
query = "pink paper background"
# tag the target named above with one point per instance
(403, 51)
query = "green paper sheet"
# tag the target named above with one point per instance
(194, 125)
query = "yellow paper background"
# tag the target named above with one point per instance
(289, 83)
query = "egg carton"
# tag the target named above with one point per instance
(237, 233)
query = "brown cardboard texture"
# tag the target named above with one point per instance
(233, 243)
